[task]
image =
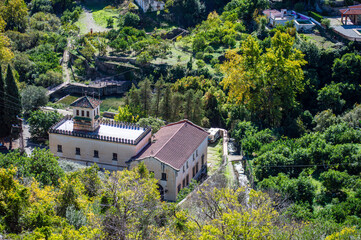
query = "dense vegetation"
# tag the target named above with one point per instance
(290, 103)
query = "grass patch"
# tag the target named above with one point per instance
(214, 159)
(101, 16)
(81, 24)
(66, 101)
(320, 41)
(109, 104)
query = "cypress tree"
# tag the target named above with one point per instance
(3, 123)
(189, 103)
(12, 99)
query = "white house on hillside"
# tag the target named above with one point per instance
(150, 5)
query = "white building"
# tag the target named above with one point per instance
(150, 5)
(86, 139)
(177, 154)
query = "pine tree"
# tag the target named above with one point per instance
(189, 104)
(197, 107)
(3, 124)
(176, 101)
(166, 103)
(12, 99)
(159, 85)
(145, 88)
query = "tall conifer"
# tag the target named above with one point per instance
(12, 99)
(3, 123)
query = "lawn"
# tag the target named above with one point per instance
(320, 41)
(81, 24)
(214, 156)
(101, 16)
(109, 104)
(66, 101)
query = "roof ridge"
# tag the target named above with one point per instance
(168, 140)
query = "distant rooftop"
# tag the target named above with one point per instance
(175, 143)
(86, 102)
(108, 131)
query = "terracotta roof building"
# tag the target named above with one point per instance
(177, 153)
(352, 12)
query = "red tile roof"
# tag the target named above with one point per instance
(86, 102)
(268, 12)
(352, 10)
(175, 143)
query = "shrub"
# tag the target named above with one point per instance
(326, 22)
(131, 19)
(208, 58)
(199, 55)
(316, 16)
(209, 49)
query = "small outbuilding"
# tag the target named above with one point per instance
(353, 13)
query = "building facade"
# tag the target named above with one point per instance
(176, 155)
(86, 139)
(150, 5)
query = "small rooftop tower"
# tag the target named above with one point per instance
(86, 114)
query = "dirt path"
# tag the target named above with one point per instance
(90, 23)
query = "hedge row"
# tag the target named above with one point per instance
(316, 16)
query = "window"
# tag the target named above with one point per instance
(202, 159)
(115, 157)
(82, 113)
(194, 157)
(96, 154)
(197, 168)
(179, 188)
(197, 153)
(184, 183)
(87, 113)
(77, 112)
(183, 169)
(164, 176)
(187, 164)
(77, 151)
(193, 171)
(60, 148)
(187, 179)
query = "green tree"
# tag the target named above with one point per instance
(188, 104)
(12, 99)
(14, 13)
(334, 180)
(125, 115)
(91, 181)
(266, 83)
(166, 105)
(145, 90)
(3, 107)
(158, 87)
(131, 20)
(40, 122)
(329, 97)
(33, 97)
(14, 199)
(154, 123)
(347, 68)
(132, 203)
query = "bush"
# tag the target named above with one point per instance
(131, 19)
(326, 22)
(40, 122)
(199, 55)
(50, 78)
(316, 16)
(208, 58)
(209, 49)
(33, 97)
